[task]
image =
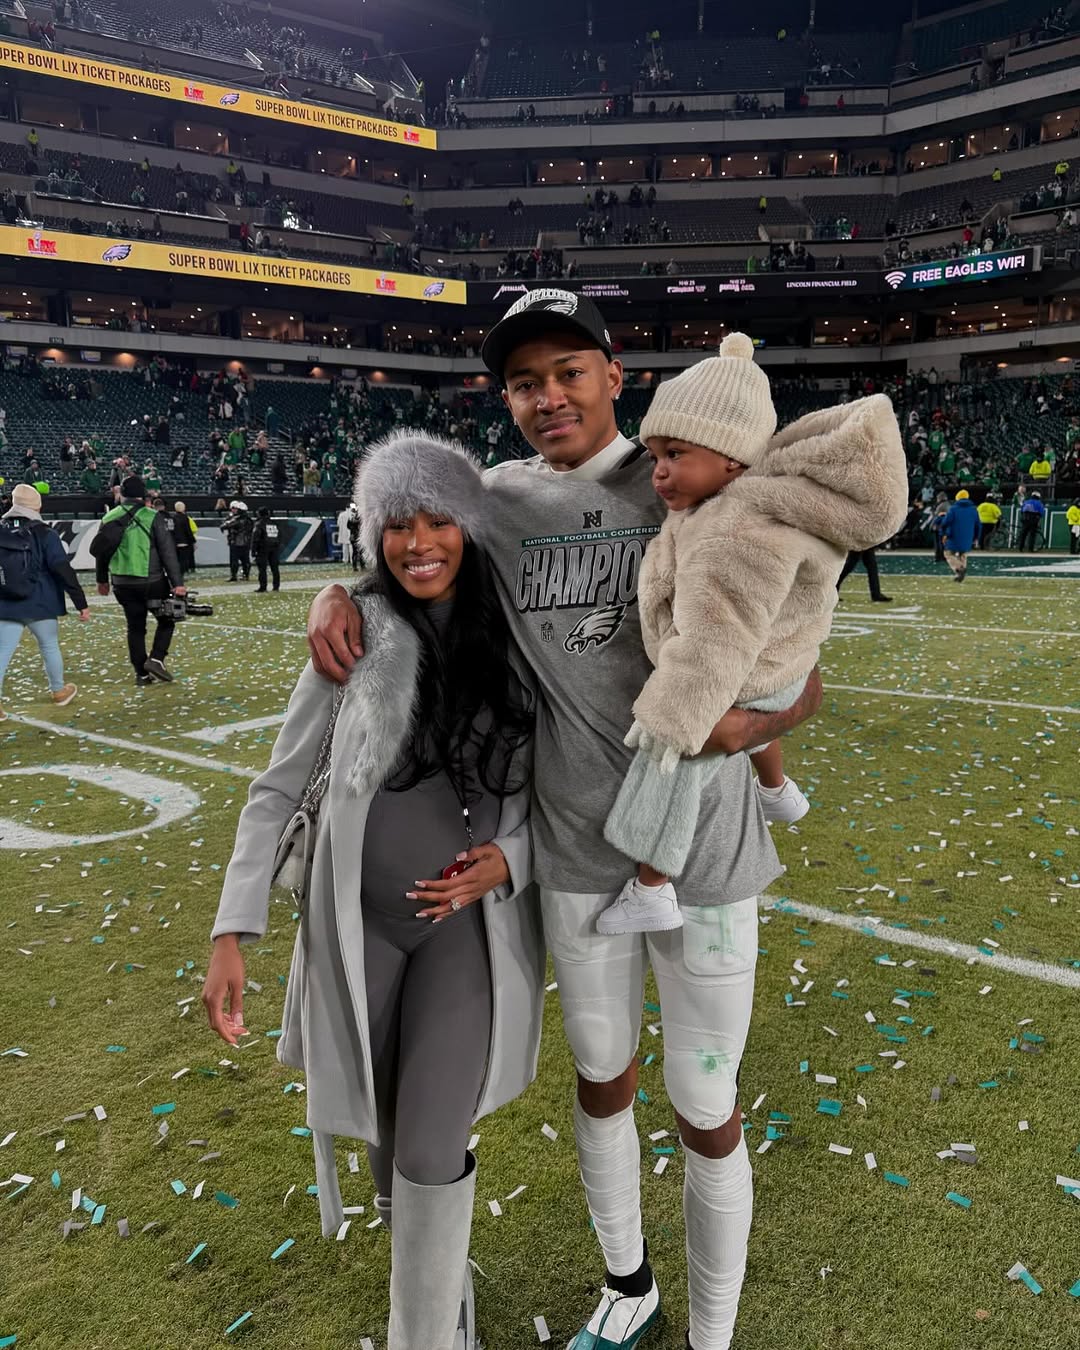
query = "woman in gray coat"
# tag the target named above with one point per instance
(415, 996)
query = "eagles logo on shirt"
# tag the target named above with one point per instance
(596, 629)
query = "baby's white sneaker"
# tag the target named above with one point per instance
(641, 909)
(785, 804)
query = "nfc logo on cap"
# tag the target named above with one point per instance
(562, 302)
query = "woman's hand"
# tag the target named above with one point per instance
(334, 631)
(226, 977)
(487, 871)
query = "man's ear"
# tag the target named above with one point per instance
(615, 378)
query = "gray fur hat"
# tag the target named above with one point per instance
(411, 471)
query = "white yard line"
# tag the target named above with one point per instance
(1046, 973)
(901, 694)
(216, 735)
(914, 621)
(140, 747)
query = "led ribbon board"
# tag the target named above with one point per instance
(188, 260)
(192, 92)
(953, 271)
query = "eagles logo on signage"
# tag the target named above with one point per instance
(229, 99)
(596, 629)
(433, 289)
(116, 253)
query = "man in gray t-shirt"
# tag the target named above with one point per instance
(572, 526)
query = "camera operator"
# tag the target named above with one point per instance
(237, 530)
(135, 549)
(266, 545)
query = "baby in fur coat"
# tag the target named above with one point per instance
(737, 591)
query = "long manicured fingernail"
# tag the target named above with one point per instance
(462, 857)
(411, 895)
(419, 885)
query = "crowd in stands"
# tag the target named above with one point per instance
(995, 437)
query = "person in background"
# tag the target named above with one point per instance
(91, 481)
(1041, 469)
(142, 569)
(35, 575)
(1072, 516)
(237, 529)
(184, 531)
(868, 558)
(279, 476)
(1031, 519)
(937, 520)
(959, 531)
(989, 516)
(266, 546)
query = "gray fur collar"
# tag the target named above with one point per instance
(379, 697)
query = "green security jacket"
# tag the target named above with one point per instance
(146, 553)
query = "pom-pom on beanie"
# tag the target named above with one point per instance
(723, 403)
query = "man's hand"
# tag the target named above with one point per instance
(741, 728)
(103, 588)
(84, 616)
(334, 633)
(179, 590)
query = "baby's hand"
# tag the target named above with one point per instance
(639, 738)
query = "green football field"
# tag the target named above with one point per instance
(918, 989)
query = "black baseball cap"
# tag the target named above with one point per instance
(547, 309)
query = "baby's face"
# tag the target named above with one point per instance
(685, 475)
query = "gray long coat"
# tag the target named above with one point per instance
(325, 1022)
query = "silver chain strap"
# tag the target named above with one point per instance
(320, 773)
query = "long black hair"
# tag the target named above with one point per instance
(464, 674)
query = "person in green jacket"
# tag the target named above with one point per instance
(143, 570)
(90, 480)
(237, 446)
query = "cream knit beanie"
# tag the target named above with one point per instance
(722, 403)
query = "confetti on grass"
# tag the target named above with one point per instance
(240, 1321)
(1021, 1273)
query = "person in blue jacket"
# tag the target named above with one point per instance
(1031, 521)
(959, 533)
(49, 575)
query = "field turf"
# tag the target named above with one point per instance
(944, 775)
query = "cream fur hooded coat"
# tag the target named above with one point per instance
(736, 595)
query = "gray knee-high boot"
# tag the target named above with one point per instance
(429, 1258)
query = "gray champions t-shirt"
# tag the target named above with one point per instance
(567, 555)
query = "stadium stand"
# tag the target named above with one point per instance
(985, 425)
(525, 70)
(228, 32)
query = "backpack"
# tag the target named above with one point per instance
(110, 532)
(20, 560)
